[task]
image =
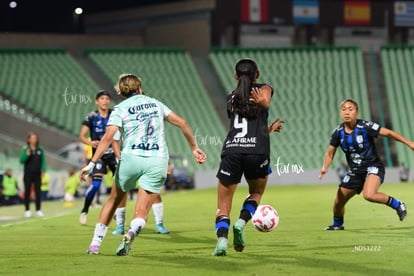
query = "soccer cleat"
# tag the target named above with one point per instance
(334, 227)
(221, 247)
(83, 218)
(27, 214)
(119, 230)
(161, 229)
(93, 249)
(238, 239)
(402, 211)
(125, 246)
(39, 214)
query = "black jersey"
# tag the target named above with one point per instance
(358, 146)
(247, 136)
(97, 126)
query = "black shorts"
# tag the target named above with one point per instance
(107, 160)
(355, 180)
(233, 166)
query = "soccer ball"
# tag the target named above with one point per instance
(265, 219)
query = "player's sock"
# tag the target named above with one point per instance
(338, 221)
(99, 234)
(393, 202)
(222, 226)
(90, 193)
(158, 210)
(137, 224)
(120, 216)
(248, 209)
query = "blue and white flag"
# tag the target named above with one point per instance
(403, 13)
(306, 11)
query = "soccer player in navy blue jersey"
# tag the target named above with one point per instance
(246, 151)
(94, 124)
(356, 139)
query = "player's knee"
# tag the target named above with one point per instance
(97, 180)
(369, 196)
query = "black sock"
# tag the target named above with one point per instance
(248, 209)
(222, 226)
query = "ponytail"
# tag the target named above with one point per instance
(240, 103)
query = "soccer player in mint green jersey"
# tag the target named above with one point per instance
(144, 157)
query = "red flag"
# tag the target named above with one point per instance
(254, 11)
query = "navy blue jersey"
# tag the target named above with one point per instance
(247, 136)
(358, 146)
(97, 126)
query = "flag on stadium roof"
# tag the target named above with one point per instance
(357, 12)
(403, 13)
(255, 11)
(306, 11)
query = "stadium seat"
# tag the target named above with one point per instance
(398, 65)
(38, 79)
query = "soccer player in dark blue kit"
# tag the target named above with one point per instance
(246, 151)
(356, 139)
(95, 124)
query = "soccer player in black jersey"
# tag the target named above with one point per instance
(246, 151)
(95, 124)
(356, 139)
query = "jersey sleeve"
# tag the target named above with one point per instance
(372, 128)
(87, 120)
(43, 160)
(115, 117)
(23, 155)
(335, 138)
(117, 135)
(165, 109)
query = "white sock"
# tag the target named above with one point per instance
(158, 210)
(241, 221)
(99, 234)
(120, 216)
(137, 224)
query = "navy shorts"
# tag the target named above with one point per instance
(233, 166)
(107, 160)
(355, 180)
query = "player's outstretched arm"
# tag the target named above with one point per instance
(396, 136)
(329, 155)
(100, 150)
(199, 156)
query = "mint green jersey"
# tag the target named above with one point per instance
(141, 122)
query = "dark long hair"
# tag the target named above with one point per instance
(246, 70)
(30, 134)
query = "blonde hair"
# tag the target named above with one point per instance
(128, 85)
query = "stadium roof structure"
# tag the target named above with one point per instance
(56, 16)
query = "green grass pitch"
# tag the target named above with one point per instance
(374, 242)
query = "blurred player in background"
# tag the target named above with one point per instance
(246, 151)
(33, 157)
(9, 189)
(356, 139)
(44, 185)
(94, 124)
(144, 157)
(71, 187)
